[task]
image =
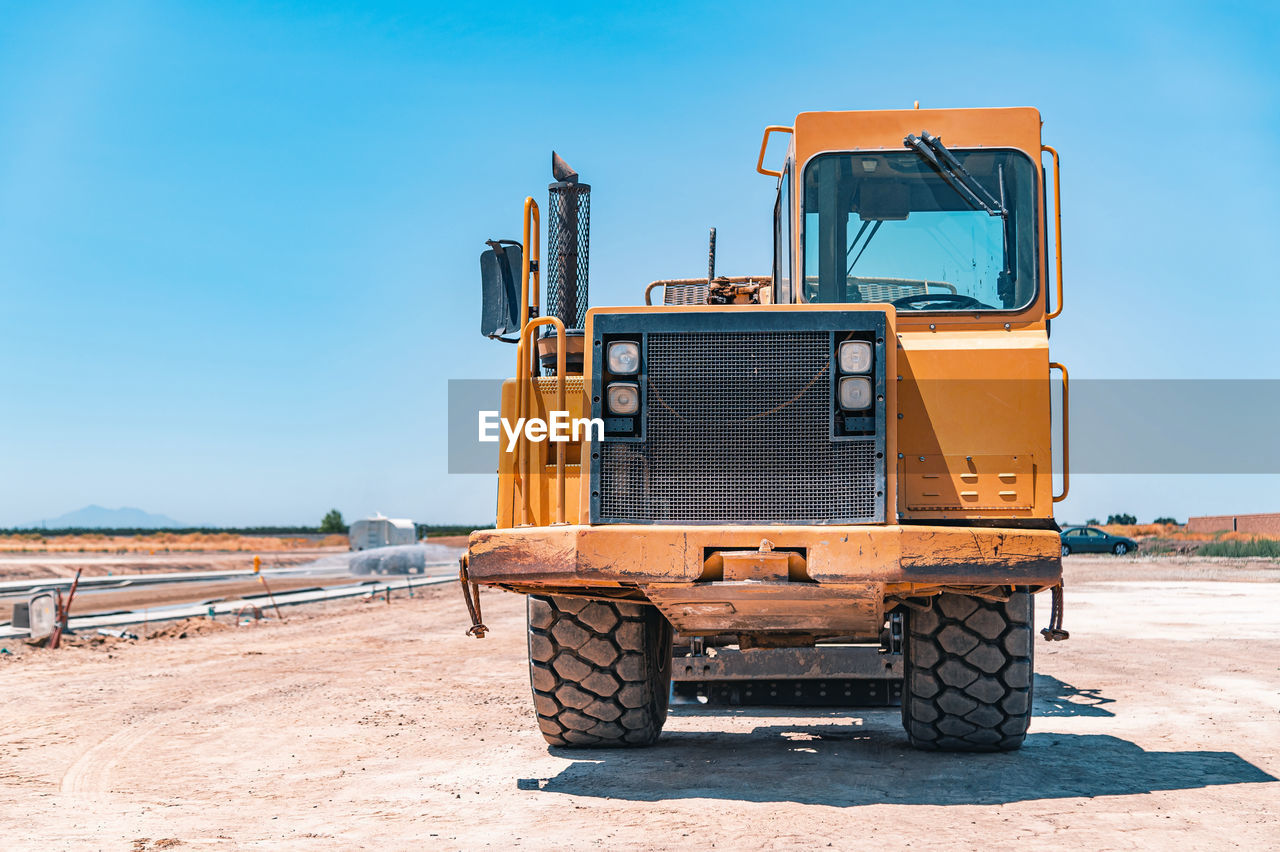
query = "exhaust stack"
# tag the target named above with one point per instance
(569, 245)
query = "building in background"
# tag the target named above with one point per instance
(1263, 524)
(380, 531)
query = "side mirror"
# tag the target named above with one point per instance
(501, 273)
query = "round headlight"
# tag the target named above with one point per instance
(855, 393)
(855, 356)
(623, 397)
(624, 358)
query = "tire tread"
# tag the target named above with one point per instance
(600, 671)
(968, 677)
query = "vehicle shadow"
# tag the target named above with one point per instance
(1055, 698)
(866, 760)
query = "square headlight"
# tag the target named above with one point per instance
(855, 356)
(623, 397)
(855, 393)
(624, 358)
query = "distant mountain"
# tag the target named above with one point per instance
(98, 517)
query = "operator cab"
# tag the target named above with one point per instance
(918, 224)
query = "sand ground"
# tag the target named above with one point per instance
(367, 725)
(38, 565)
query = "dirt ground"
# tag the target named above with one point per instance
(22, 566)
(87, 602)
(381, 726)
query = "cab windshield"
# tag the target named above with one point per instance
(896, 227)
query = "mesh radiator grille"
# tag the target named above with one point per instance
(739, 431)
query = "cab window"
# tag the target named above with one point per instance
(892, 227)
(782, 241)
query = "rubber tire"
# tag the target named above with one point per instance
(1066, 550)
(968, 674)
(1120, 549)
(600, 671)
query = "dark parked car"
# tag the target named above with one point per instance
(1091, 540)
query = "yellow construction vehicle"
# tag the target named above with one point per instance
(850, 454)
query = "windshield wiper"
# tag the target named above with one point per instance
(853, 245)
(930, 148)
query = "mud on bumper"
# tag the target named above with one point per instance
(807, 579)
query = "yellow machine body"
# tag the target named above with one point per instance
(968, 485)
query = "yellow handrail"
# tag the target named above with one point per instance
(649, 290)
(1066, 433)
(526, 381)
(1057, 216)
(532, 250)
(532, 238)
(730, 279)
(764, 143)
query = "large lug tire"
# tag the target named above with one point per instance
(968, 674)
(601, 671)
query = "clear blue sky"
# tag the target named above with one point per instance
(238, 241)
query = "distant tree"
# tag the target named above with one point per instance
(1092, 522)
(1166, 521)
(1121, 519)
(333, 523)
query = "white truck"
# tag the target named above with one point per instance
(380, 531)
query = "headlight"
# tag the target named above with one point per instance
(855, 393)
(623, 397)
(855, 356)
(624, 358)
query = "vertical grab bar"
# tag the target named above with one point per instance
(1057, 231)
(532, 250)
(524, 363)
(1066, 434)
(524, 458)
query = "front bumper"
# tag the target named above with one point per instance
(809, 581)
(580, 555)
(795, 580)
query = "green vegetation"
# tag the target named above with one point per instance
(1122, 518)
(1159, 547)
(1166, 521)
(333, 523)
(1266, 547)
(1092, 522)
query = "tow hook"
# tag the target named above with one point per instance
(471, 594)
